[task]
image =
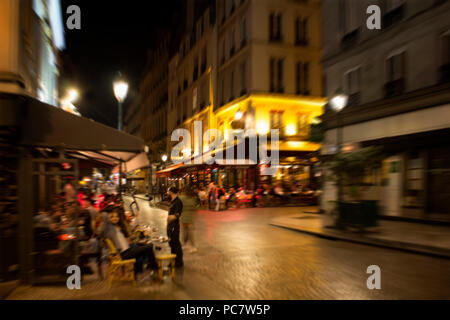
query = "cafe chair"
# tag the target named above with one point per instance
(118, 269)
(160, 259)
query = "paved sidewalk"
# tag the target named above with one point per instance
(407, 236)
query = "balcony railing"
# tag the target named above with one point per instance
(185, 84)
(354, 99)
(350, 39)
(232, 51)
(195, 75)
(444, 71)
(243, 42)
(301, 42)
(275, 38)
(394, 88)
(393, 16)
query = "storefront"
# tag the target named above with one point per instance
(43, 147)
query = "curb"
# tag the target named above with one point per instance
(7, 288)
(396, 245)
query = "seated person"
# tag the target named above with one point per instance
(113, 229)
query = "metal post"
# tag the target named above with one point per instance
(120, 180)
(120, 116)
(339, 149)
(25, 218)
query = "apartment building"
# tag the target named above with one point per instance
(264, 57)
(192, 74)
(153, 100)
(269, 77)
(397, 81)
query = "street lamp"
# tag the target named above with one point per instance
(338, 103)
(72, 95)
(164, 158)
(120, 91)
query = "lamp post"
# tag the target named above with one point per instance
(338, 103)
(120, 92)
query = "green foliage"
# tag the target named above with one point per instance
(352, 167)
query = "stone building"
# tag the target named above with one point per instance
(397, 81)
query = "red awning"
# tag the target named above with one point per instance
(166, 172)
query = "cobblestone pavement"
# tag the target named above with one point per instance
(241, 256)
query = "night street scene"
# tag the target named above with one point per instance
(225, 150)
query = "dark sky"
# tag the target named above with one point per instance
(115, 36)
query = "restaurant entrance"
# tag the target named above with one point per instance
(48, 247)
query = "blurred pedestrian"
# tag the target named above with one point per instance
(190, 201)
(173, 225)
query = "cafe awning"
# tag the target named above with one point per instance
(167, 171)
(45, 126)
(137, 162)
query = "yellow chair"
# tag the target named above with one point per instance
(160, 259)
(118, 269)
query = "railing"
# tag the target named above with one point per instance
(354, 99)
(444, 71)
(393, 16)
(350, 39)
(394, 88)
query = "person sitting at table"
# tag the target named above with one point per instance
(114, 229)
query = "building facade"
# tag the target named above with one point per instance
(31, 35)
(153, 99)
(397, 81)
(262, 71)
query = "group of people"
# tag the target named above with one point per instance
(216, 197)
(105, 217)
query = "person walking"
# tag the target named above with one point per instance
(173, 225)
(190, 202)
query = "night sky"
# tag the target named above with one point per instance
(115, 36)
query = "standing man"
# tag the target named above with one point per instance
(173, 225)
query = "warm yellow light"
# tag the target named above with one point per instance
(262, 127)
(291, 129)
(72, 95)
(226, 134)
(186, 152)
(120, 90)
(164, 158)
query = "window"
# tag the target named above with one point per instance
(243, 32)
(276, 119)
(222, 91)
(275, 27)
(394, 12)
(224, 9)
(302, 78)
(276, 75)
(301, 31)
(303, 125)
(393, 4)
(243, 78)
(203, 66)
(352, 83)
(232, 86)
(445, 60)
(395, 69)
(195, 75)
(232, 43)
(223, 52)
(349, 15)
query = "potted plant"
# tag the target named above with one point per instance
(351, 168)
